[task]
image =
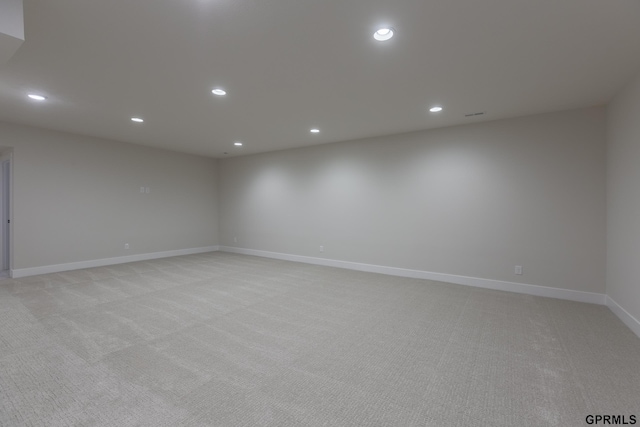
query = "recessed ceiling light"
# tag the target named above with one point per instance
(435, 109)
(137, 119)
(238, 144)
(383, 34)
(219, 92)
(36, 97)
(314, 130)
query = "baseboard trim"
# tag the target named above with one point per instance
(542, 291)
(32, 271)
(624, 315)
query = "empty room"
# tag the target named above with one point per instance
(332, 213)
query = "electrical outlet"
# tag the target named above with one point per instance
(142, 189)
(321, 248)
(147, 190)
(126, 246)
(519, 270)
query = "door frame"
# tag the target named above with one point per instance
(6, 212)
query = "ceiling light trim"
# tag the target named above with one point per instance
(383, 34)
(37, 97)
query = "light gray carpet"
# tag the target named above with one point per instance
(229, 340)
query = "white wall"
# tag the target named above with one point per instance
(11, 28)
(77, 198)
(12, 18)
(623, 199)
(469, 200)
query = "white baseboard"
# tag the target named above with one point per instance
(624, 315)
(542, 291)
(23, 272)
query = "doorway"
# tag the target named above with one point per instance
(5, 215)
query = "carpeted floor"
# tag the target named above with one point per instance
(229, 340)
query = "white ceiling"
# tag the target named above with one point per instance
(290, 65)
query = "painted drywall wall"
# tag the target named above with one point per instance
(11, 28)
(472, 200)
(623, 199)
(77, 198)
